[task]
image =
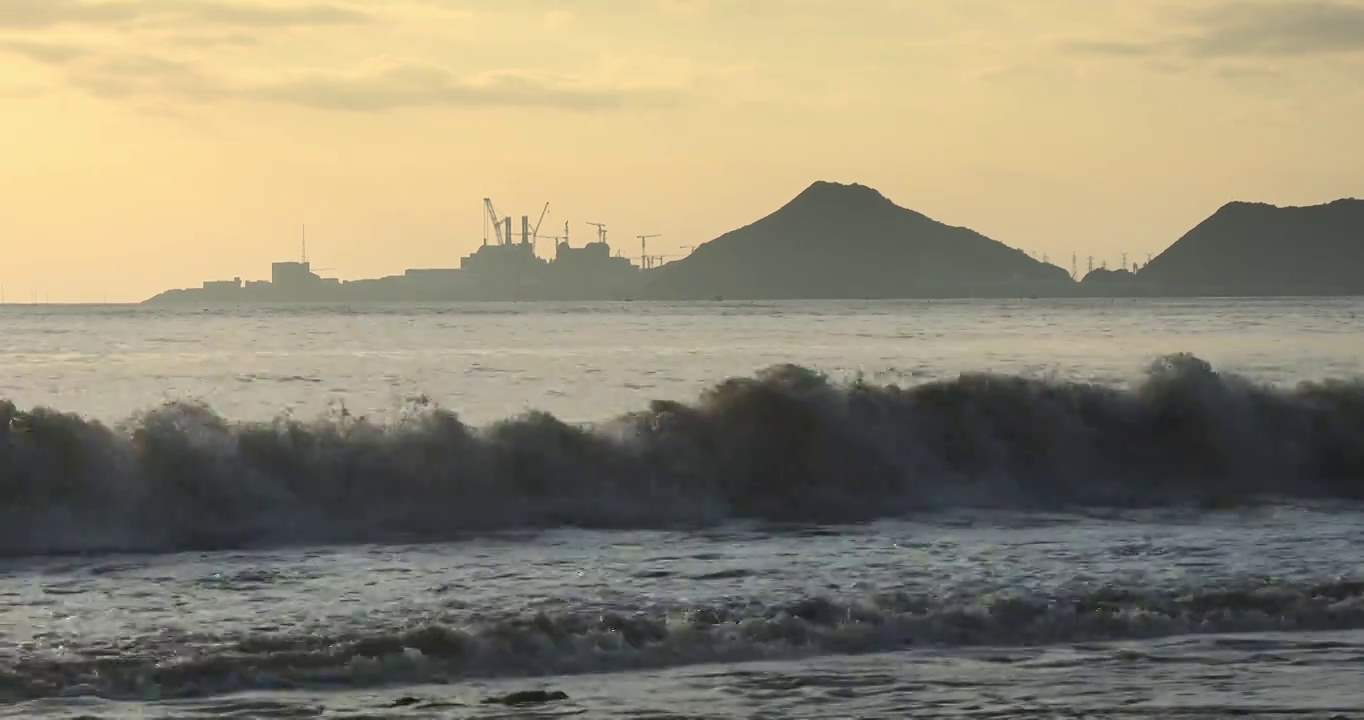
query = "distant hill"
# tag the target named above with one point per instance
(1104, 275)
(849, 241)
(1260, 249)
(1102, 282)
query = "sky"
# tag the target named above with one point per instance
(148, 144)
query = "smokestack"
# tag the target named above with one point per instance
(525, 229)
(506, 232)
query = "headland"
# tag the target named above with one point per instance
(836, 241)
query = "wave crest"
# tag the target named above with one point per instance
(741, 631)
(785, 444)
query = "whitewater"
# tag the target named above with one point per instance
(967, 509)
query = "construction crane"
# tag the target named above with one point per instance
(558, 238)
(490, 215)
(601, 231)
(644, 249)
(535, 231)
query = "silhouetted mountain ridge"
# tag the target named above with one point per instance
(1253, 248)
(834, 240)
(848, 241)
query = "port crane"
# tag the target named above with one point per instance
(644, 259)
(490, 215)
(535, 231)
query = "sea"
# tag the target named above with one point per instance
(1128, 508)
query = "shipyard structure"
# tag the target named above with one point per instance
(505, 267)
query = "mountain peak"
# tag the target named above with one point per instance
(824, 193)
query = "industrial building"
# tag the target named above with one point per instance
(504, 267)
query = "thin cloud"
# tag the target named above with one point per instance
(28, 14)
(213, 41)
(396, 85)
(1281, 29)
(144, 75)
(249, 15)
(41, 14)
(1118, 48)
(376, 87)
(44, 52)
(1250, 30)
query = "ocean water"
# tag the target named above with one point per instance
(1131, 508)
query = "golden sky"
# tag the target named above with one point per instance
(147, 144)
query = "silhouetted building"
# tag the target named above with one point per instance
(291, 275)
(233, 284)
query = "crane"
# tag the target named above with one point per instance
(491, 215)
(535, 231)
(601, 231)
(644, 249)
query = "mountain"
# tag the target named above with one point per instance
(849, 241)
(1261, 249)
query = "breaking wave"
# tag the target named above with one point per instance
(788, 444)
(745, 630)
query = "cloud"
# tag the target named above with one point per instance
(39, 14)
(1316, 27)
(380, 85)
(213, 41)
(1246, 30)
(46, 13)
(44, 52)
(145, 75)
(388, 85)
(244, 15)
(1121, 48)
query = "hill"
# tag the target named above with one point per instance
(1261, 249)
(849, 241)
